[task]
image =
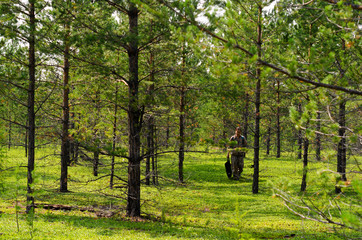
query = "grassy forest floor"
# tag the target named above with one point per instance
(207, 206)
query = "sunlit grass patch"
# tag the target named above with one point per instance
(207, 206)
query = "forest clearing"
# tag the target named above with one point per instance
(207, 206)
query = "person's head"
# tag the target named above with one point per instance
(238, 131)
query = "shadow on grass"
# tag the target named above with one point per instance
(154, 229)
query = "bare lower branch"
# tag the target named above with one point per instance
(325, 221)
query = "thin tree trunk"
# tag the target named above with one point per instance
(111, 180)
(73, 143)
(167, 131)
(342, 150)
(305, 165)
(300, 136)
(268, 140)
(31, 110)
(278, 121)
(318, 138)
(150, 127)
(224, 133)
(134, 119)
(182, 136)
(149, 148)
(154, 159)
(9, 134)
(65, 147)
(26, 146)
(95, 163)
(257, 108)
(97, 135)
(246, 116)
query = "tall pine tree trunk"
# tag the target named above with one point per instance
(278, 121)
(31, 110)
(134, 119)
(257, 108)
(342, 149)
(65, 148)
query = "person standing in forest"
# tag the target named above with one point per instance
(237, 145)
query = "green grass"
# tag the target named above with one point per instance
(207, 206)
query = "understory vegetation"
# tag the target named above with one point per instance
(206, 206)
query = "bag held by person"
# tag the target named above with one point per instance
(228, 168)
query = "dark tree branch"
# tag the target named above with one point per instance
(117, 6)
(354, 6)
(262, 62)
